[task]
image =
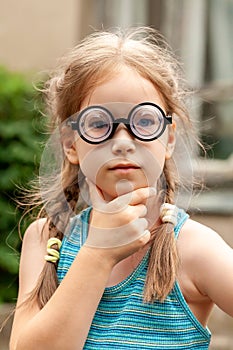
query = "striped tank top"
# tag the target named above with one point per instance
(122, 320)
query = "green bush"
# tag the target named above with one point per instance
(21, 145)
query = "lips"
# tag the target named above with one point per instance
(124, 166)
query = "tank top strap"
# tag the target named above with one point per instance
(79, 224)
(182, 217)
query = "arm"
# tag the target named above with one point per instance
(211, 265)
(65, 320)
(217, 278)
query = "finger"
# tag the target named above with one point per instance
(145, 238)
(137, 211)
(124, 187)
(139, 225)
(141, 194)
(143, 210)
(120, 202)
(132, 198)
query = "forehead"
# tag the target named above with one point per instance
(126, 86)
(117, 109)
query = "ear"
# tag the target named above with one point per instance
(69, 146)
(171, 140)
(71, 153)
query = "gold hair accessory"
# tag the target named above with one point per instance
(168, 213)
(53, 254)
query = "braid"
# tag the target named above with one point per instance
(163, 261)
(57, 223)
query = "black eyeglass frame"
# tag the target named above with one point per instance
(115, 122)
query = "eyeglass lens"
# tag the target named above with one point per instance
(145, 121)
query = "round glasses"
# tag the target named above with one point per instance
(96, 124)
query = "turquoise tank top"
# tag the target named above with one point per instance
(122, 320)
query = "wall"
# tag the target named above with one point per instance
(33, 34)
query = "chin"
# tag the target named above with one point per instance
(124, 186)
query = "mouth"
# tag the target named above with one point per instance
(124, 167)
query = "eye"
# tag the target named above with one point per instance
(145, 119)
(145, 122)
(96, 123)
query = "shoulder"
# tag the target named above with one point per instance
(37, 229)
(198, 238)
(197, 246)
(201, 244)
(194, 230)
(35, 237)
(208, 260)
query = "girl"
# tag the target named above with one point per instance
(133, 270)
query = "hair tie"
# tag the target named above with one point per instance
(168, 213)
(53, 254)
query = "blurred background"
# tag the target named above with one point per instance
(33, 34)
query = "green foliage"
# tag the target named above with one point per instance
(21, 139)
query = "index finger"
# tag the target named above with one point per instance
(141, 194)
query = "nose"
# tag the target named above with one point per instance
(122, 142)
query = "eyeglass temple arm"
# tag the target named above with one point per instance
(169, 119)
(72, 124)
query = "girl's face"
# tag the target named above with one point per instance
(123, 163)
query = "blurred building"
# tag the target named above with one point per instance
(33, 34)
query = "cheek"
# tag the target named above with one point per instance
(153, 159)
(91, 161)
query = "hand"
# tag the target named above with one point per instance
(119, 225)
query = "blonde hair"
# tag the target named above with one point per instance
(93, 61)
